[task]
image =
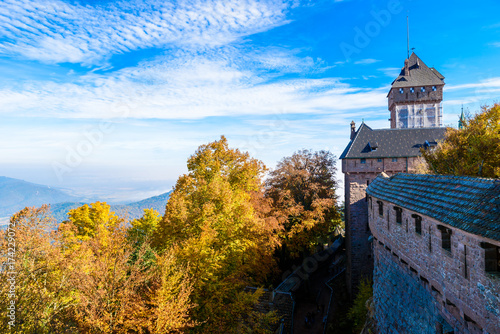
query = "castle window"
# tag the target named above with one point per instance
(380, 208)
(491, 258)
(399, 215)
(379, 160)
(445, 238)
(394, 159)
(434, 88)
(363, 160)
(422, 89)
(412, 90)
(418, 224)
(401, 91)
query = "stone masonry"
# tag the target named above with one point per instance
(424, 284)
(357, 177)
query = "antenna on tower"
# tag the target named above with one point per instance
(408, 36)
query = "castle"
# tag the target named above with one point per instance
(415, 104)
(431, 243)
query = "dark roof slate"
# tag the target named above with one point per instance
(419, 75)
(390, 143)
(466, 203)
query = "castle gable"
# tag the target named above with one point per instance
(469, 204)
(391, 143)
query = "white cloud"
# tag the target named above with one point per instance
(366, 61)
(482, 84)
(189, 86)
(54, 31)
(392, 72)
(495, 44)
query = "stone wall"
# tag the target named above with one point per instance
(357, 177)
(402, 304)
(420, 284)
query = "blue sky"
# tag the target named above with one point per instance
(110, 98)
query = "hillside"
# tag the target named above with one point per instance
(129, 211)
(16, 194)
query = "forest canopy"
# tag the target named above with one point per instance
(225, 228)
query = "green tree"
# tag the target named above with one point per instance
(216, 221)
(142, 229)
(473, 150)
(302, 191)
(358, 312)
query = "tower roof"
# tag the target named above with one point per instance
(417, 74)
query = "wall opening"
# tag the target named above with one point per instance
(380, 208)
(445, 238)
(399, 214)
(491, 258)
(418, 224)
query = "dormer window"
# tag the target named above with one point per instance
(412, 90)
(363, 160)
(434, 88)
(373, 146)
(422, 89)
(401, 91)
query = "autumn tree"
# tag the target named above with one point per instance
(121, 284)
(172, 299)
(473, 150)
(89, 220)
(216, 220)
(38, 270)
(142, 229)
(302, 190)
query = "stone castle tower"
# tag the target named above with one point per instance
(416, 116)
(416, 95)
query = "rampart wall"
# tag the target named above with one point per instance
(422, 285)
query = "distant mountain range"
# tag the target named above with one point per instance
(16, 194)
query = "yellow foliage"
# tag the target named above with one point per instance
(473, 150)
(93, 219)
(217, 220)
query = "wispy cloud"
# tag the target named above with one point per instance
(186, 87)
(367, 61)
(485, 84)
(495, 44)
(391, 72)
(54, 31)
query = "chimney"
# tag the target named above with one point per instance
(353, 130)
(407, 69)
